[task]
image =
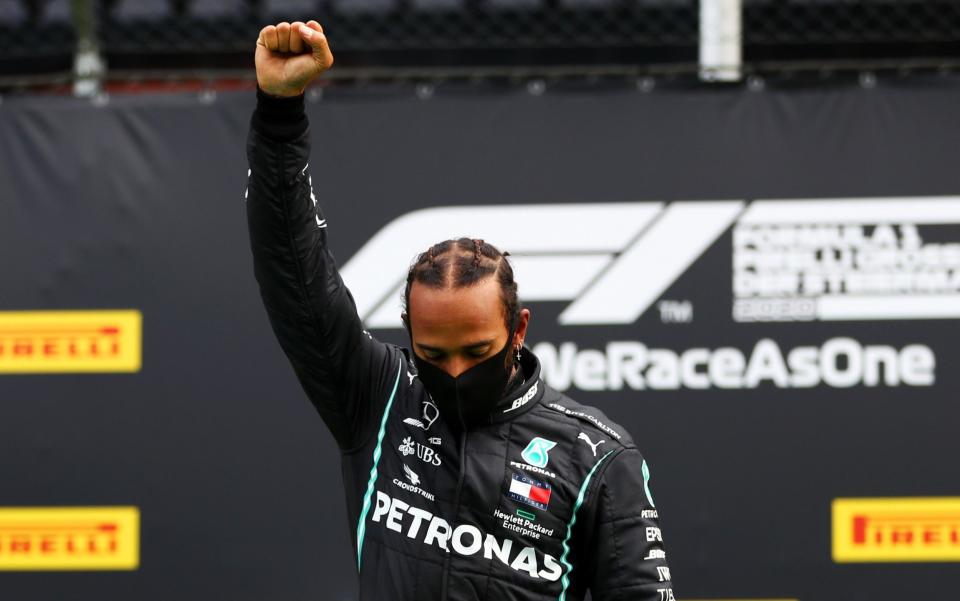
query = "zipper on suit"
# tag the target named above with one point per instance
(456, 504)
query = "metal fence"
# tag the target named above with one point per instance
(137, 37)
(847, 30)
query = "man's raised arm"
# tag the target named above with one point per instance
(342, 369)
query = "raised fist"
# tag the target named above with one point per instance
(290, 56)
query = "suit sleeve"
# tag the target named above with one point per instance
(627, 560)
(346, 374)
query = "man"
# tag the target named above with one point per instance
(466, 477)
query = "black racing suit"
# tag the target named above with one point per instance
(545, 501)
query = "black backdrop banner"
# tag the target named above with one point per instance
(763, 287)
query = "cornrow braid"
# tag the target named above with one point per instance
(464, 262)
(477, 244)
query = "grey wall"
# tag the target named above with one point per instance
(138, 204)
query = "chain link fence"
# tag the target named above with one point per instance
(377, 36)
(838, 31)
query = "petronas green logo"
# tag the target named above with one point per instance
(646, 482)
(537, 452)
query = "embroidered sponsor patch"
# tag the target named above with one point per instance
(527, 490)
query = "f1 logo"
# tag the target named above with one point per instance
(613, 260)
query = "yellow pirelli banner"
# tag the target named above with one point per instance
(896, 529)
(70, 341)
(69, 538)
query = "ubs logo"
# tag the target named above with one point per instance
(424, 453)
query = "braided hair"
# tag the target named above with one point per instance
(461, 263)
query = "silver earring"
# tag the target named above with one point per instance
(518, 352)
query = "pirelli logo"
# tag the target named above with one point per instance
(69, 538)
(70, 341)
(896, 529)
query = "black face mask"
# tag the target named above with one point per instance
(470, 398)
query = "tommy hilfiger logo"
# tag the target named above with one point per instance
(525, 489)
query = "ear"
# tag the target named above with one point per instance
(521, 331)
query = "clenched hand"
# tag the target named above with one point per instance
(289, 56)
